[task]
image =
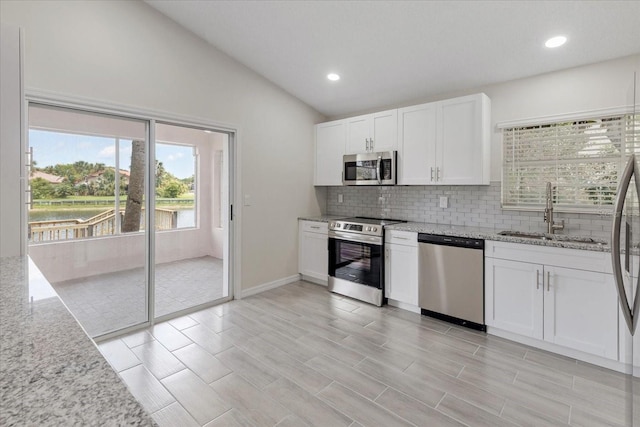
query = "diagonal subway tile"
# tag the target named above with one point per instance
(158, 359)
(202, 363)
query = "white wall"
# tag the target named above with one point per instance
(128, 53)
(10, 123)
(591, 87)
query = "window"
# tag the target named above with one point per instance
(581, 159)
(175, 186)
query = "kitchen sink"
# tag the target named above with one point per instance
(526, 235)
(554, 237)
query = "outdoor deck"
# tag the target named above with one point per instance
(112, 301)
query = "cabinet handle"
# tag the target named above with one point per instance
(437, 174)
(371, 143)
(548, 280)
(537, 279)
(432, 174)
(400, 238)
(366, 144)
(315, 227)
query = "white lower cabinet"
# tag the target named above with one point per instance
(313, 256)
(401, 268)
(550, 299)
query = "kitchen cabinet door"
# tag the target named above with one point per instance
(358, 134)
(401, 273)
(514, 297)
(372, 132)
(581, 311)
(313, 254)
(417, 144)
(330, 147)
(463, 148)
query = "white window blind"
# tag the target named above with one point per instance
(581, 159)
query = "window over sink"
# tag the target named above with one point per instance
(581, 158)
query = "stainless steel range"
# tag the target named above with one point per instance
(356, 264)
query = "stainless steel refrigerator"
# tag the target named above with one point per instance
(625, 256)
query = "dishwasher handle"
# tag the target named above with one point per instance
(463, 242)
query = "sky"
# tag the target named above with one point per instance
(51, 148)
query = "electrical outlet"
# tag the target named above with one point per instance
(444, 202)
(340, 198)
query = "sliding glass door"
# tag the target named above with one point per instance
(88, 212)
(128, 229)
(191, 240)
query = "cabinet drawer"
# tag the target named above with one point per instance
(406, 238)
(561, 257)
(314, 227)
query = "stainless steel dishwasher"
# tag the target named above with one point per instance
(451, 279)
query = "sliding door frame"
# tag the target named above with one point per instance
(151, 117)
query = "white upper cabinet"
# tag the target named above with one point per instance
(330, 147)
(372, 132)
(445, 142)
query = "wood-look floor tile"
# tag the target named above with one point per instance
(469, 414)
(285, 365)
(490, 341)
(200, 400)
(253, 370)
(202, 363)
(137, 338)
(235, 335)
(384, 355)
(258, 407)
(118, 354)
(293, 347)
(292, 421)
(282, 326)
(322, 329)
(526, 417)
(489, 378)
(427, 358)
(414, 387)
(146, 388)
(232, 418)
(347, 376)
(461, 389)
(413, 410)
(158, 359)
(359, 331)
(174, 415)
(211, 321)
(581, 417)
(183, 322)
(207, 339)
(306, 406)
(359, 408)
(169, 336)
(331, 348)
(570, 366)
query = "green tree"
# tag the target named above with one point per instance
(172, 189)
(62, 191)
(41, 188)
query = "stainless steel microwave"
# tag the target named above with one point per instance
(369, 168)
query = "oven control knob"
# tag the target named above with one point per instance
(333, 224)
(375, 228)
(368, 228)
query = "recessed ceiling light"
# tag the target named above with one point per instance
(556, 41)
(208, 131)
(333, 77)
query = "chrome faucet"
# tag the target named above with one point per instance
(548, 213)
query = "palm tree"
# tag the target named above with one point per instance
(135, 193)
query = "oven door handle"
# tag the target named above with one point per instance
(348, 237)
(378, 166)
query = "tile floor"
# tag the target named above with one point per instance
(300, 356)
(113, 301)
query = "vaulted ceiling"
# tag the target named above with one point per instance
(388, 52)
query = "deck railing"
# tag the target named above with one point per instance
(103, 224)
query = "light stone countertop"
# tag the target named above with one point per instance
(51, 373)
(556, 240)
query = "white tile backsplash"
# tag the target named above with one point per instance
(468, 205)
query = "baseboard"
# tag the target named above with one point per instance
(312, 279)
(270, 285)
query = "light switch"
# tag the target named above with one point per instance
(247, 200)
(444, 202)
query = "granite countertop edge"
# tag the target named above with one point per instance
(52, 372)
